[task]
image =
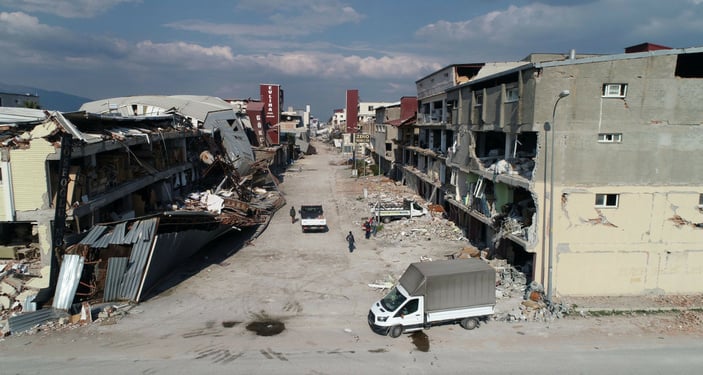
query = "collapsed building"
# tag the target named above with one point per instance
(101, 203)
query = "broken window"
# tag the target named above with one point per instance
(607, 200)
(610, 138)
(689, 65)
(614, 90)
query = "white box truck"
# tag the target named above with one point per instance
(435, 293)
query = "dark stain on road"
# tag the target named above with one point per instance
(229, 323)
(421, 341)
(380, 350)
(266, 327)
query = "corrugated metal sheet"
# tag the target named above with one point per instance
(118, 234)
(116, 267)
(135, 233)
(94, 235)
(29, 320)
(138, 258)
(67, 283)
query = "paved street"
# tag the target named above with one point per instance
(310, 288)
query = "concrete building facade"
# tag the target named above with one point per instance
(581, 169)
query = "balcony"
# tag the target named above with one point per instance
(430, 119)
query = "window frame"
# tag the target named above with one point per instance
(478, 99)
(604, 202)
(508, 97)
(614, 137)
(621, 91)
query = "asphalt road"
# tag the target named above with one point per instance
(296, 303)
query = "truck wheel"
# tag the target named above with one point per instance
(395, 331)
(469, 323)
(386, 220)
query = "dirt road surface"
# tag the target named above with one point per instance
(296, 303)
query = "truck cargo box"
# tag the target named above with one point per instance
(449, 284)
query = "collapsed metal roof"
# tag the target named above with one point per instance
(188, 105)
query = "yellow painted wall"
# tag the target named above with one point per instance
(5, 189)
(633, 249)
(29, 176)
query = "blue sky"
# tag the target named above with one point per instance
(315, 49)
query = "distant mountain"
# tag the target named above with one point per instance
(51, 100)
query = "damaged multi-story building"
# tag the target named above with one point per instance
(581, 169)
(131, 186)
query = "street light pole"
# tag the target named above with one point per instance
(552, 129)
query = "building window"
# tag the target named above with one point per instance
(478, 99)
(614, 90)
(511, 95)
(370, 108)
(700, 200)
(610, 138)
(607, 200)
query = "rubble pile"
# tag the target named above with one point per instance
(420, 229)
(512, 283)
(16, 293)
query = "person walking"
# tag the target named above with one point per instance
(350, 240)
(367, 229)
(292, 214)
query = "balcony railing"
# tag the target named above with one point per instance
(429, 119)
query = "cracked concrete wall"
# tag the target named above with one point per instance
(633, 249)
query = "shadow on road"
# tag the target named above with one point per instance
(213, 253)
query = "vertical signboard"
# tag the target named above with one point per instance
(271, 97)
(352, 111)
(255, 111)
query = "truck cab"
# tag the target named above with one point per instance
(312, 217)
(396, 313)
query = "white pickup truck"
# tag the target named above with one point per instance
(390, 211)
(312, 217)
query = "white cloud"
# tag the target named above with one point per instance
(65, 8)
(286, 19)
(190, 55)
(340, 66)
(512, 23)
(18, 23)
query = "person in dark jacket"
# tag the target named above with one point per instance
(350, 240)
(292, 215)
